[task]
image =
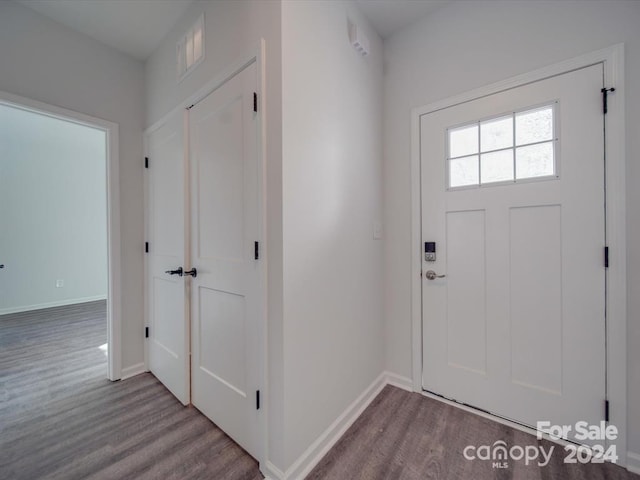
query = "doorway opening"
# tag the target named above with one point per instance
(59, 238)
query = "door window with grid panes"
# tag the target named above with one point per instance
(506, 149)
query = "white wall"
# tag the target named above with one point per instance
(233, 29)
(53, 210)
(470, 44)
(42, 60)
(332, 129)
(326, 346)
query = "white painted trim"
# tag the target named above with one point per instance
(318, 449)
(613, 60)
(633, 462)
(133, 370)
(114, 300)
(263, 421)
(271, 472)
(114, 307)
(399, 381)
(145, 226)
(416, 255)
(59, 303)
(616, 211)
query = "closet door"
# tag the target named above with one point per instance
(167, 314)
(225, 303)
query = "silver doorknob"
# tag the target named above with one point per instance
(431, 275)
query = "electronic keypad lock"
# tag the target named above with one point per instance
(429, 251)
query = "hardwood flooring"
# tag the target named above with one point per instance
(406, 436)
(62, 419)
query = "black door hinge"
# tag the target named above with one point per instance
(146, 332)
(605, 93)
(257, 399)
(256, 250)
(146, 162)
(606, 257)
(606, 410)
(146, 247)
(255, 102)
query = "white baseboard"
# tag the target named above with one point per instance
(132, 371)
(318, 449)
(271, 472)
(58, 303)
(399, 381)
(633, 462)
(312, 456)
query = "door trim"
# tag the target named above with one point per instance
(616, 296)
(114, 316)
(257, 55)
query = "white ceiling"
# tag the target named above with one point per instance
(136, 27)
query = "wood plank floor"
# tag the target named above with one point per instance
(62, 419)
(405, 436)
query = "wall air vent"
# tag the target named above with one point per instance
(190, 49)
(358, 39)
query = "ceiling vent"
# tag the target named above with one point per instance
(190, 49)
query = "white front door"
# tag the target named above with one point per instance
(167, 318)
(225, 303)
(513, 197)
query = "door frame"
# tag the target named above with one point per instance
(257, 55)
(612, 59)
(111, 130)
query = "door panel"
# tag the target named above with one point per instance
(225, 357)
(466, 294)
(517, 325)
(225, 301)
(221, 171)
(168, 343)
(535, 236)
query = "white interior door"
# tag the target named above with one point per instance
(223, 140)
(517, 325)
(167, 316)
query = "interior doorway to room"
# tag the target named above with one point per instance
(55, 282)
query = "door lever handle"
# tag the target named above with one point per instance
(431, 275)
(193, 272)
(177, 271)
